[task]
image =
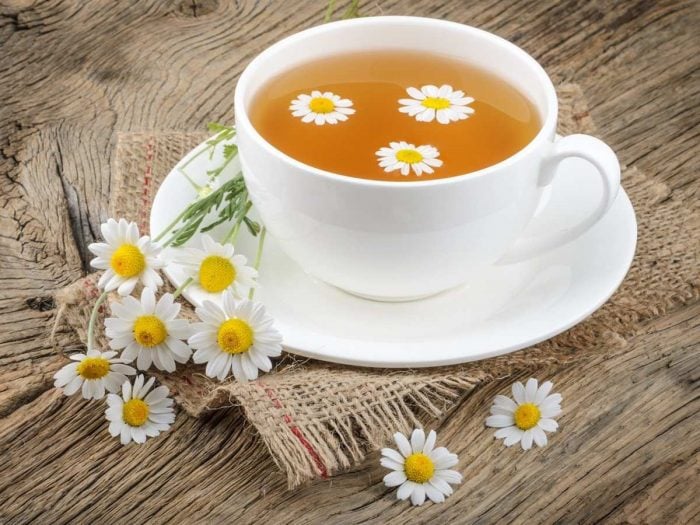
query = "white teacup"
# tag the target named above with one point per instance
(405, 240)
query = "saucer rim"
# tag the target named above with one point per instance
(301, 342)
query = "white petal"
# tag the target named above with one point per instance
(498, 421)
(526, 441)
(74, 385)
(539, 436)
(394, 479)
(250, 370)
(447, 461)
(148, 301)
(415, 93)
(548, 424)
(435, 495)
(441, 485)
(429, 442)
(403, 444)
(518, 392)
(405, 490)
(543, 391)
(391, 464)
(505, 402)
(127, 286)
(418, 495)
(430, 90)
(418, 440)
(450, 476)
(530, 390)
(393, 455)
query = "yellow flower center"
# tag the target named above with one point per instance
(235, 336)
(127, 261)
(419, 468)
(409, 156)
(436, 103)
(93, 368)
(527, 416)
(149, 331)
(216, 274)
(321, 105)
(135, 412)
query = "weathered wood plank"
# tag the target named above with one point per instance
(74, 73)
(627, 450)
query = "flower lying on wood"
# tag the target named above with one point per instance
(528, 417)
(138, 414)
(94, 373)
(419, 470)
(238, 338)
(126, 257)
(148, 331)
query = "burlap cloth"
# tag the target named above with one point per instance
(317, 418)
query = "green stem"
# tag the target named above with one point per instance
(171, 225)
(258, 257)
(182, 287)
(329, 11)
(198, 154)
(93, 318)
(233, 234)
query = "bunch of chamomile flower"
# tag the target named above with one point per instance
(234, 335)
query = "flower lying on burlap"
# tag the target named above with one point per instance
(528, 417)
(148, 331)
(138, 414)
(126, 258)
(216, 268)
(419, 469)
(238, 337)
(94, 372)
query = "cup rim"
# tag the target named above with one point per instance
(547, 127)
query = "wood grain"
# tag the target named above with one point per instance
(74, 73)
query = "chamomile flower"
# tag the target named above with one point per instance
(430, 102)
(238, 337)
(419, 470)
(126, 257)
(528, 417)
(148, 331)
(406, 157)
(94, 372)
(216, 268)
(138, 413)
(321, 108)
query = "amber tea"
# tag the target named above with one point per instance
(394, 115)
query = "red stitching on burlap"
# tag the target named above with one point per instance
(322, 470)
(147, 182)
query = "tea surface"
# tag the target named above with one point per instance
(352, 115)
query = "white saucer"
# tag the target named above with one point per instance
(504, 309)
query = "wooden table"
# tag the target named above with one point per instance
(74, 73)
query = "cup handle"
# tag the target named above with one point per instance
(603, 158)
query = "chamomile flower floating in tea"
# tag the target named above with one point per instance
(138, 413)
(94, 372)
(321, 108)
(126, 257)
(216, 268)
(419, 470)
(148, 331)
(528, 417)
(406, 157)
(430, 103)
(238, 338)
